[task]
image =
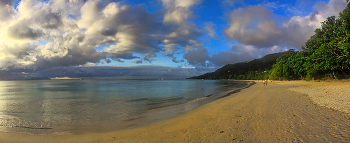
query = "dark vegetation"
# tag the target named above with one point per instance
(325, 55)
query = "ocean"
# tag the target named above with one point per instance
(86, 106)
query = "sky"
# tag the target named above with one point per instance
(149, 38)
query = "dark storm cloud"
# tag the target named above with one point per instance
(175, 60)
(137, 31)
(108, 32)
(21, 31)
(138, 62)
(20, 51)
(126, 56)
(49, 19)
(108, 61)
(8, 63)
(197, 56)
(74, 57)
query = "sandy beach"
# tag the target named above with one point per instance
(280, 112)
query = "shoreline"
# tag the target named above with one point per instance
(256, 114)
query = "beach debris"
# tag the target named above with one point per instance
(238, 116)
(221, 131)
(113, 137)
(234, 139)
(241, 140)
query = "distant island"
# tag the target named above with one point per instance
(39, 78)
(60, 78)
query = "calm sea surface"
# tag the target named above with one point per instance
(83, 106)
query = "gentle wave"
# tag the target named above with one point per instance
(154, 101)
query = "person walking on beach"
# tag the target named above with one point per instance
(264, 82)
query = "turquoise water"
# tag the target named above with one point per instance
(81, 106)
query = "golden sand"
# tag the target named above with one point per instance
(257, 114)
(331, 94)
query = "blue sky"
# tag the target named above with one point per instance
(195, 35)
(218, 11)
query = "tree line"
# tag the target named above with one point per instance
(325, 55)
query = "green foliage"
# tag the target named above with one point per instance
(308, 77)
(325, 53)
(290, 66)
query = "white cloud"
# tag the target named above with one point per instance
(90, 13)
(183, 35)
(65, 32)
(209, 27)
(253, 25)
(299, 29)
(177, 15)
(180, 3)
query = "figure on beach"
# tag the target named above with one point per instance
(265, 82)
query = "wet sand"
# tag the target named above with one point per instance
(272, 113)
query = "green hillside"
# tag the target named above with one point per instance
(254, 69)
